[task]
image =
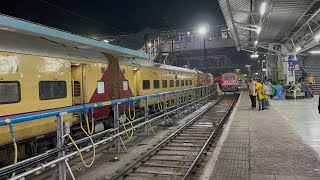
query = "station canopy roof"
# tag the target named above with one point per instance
(8, 23)
(292, 23)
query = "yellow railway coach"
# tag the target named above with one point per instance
(37, 74)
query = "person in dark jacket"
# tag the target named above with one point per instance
(319, 105)
(108, 123)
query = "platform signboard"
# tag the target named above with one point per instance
(293, 63)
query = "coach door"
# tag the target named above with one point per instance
(78, 74)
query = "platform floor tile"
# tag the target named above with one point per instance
(262, 145)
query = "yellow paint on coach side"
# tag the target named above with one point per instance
(29, 70)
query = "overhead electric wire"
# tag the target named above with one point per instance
(79, 15)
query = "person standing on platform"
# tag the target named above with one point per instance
(304, 74)
(305, 88)
(252, 92)
(260, 96)
(266, 92)
(312, 82)
(319, 105)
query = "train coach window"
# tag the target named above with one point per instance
(182, 82)
(76, 87)
(177, 83)
(187, 83)
(156, 84)
(146, 84)
(190, 82)
(164, 83)
(52, 90)
(171, 83)
(9, 92)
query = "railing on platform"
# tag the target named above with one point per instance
(192, 97)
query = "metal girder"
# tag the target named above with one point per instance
(306, 37)
(302, 16)
(205, 63)
(242, 11)
(270, 49)
(236, 38)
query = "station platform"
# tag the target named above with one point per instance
(273, 144)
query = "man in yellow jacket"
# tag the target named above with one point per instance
(260, 95)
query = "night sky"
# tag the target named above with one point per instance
(105, 17)
(100, 18)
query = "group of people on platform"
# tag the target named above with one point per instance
(305, 84)
(261, 91)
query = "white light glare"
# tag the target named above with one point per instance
(315, 52)
(255, 42)
(149, 44)
(106, 41)
(202, 30)
(298, 48)
(188, 33)
(317, 37)
(256, 73)
(258, 30)
(254, 55)
(263, 8)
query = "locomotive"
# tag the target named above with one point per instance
(229, 82)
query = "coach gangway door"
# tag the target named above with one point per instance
(78, 75)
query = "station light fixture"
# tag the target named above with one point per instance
(298, 48)
(254, 55)
(188, 33)
(258, 30)
(256, 73)
(149, 44)
(202, 30)
(317, 37)
(263, 8)
(315, 52)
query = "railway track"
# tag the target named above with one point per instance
(177, 156)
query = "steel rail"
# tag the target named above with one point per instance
(125, 171)
(223, 119)
(48, 164)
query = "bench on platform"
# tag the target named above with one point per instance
(300, 95)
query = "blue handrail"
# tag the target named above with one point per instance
(56, 112)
